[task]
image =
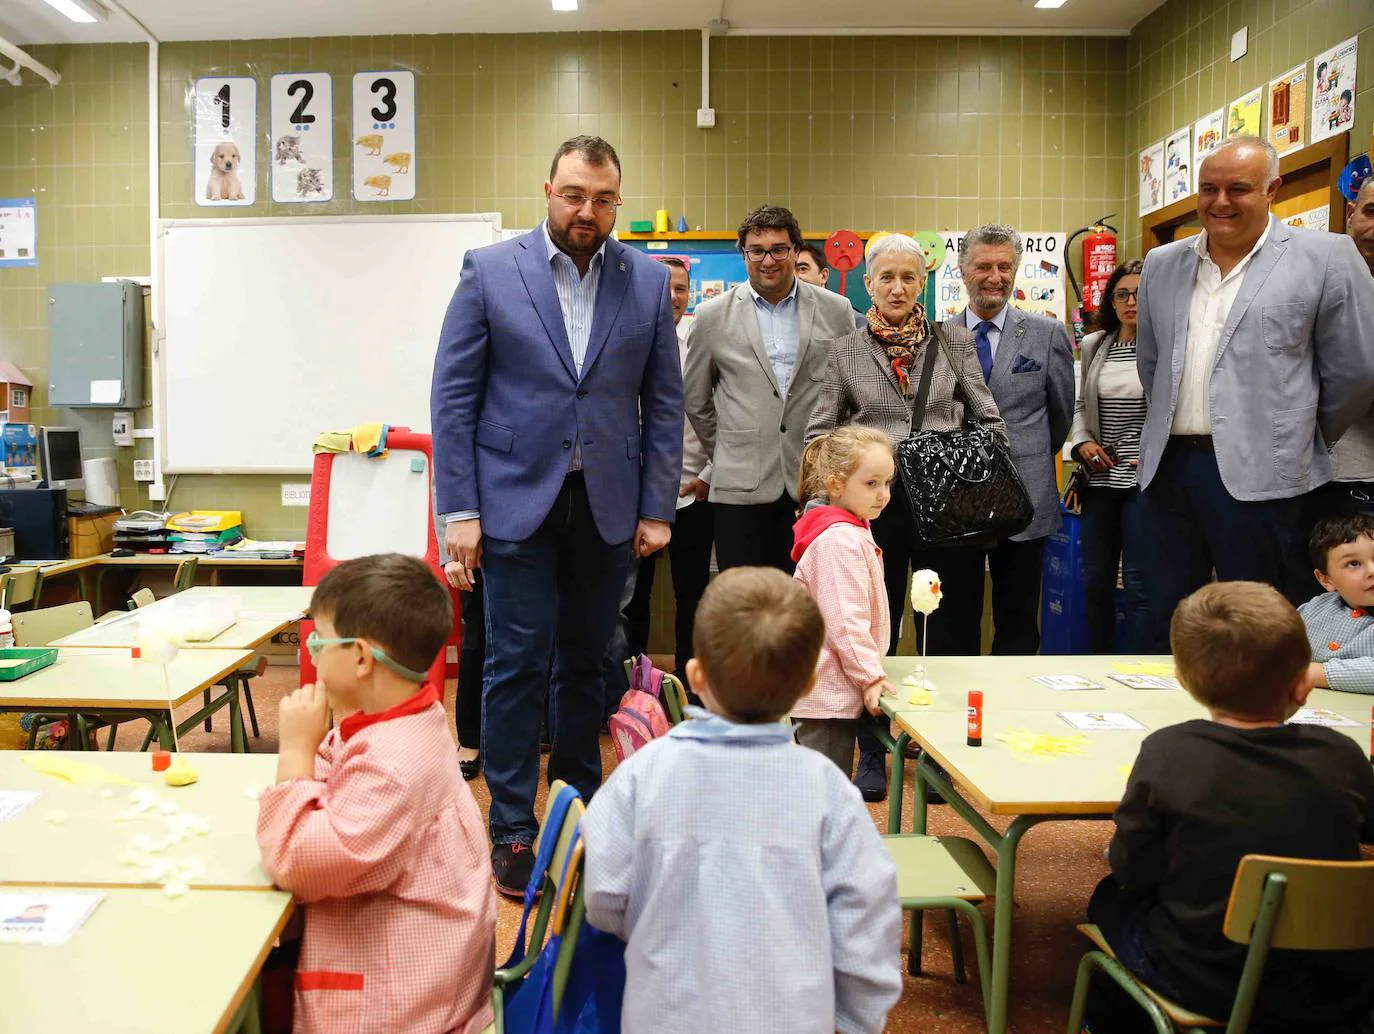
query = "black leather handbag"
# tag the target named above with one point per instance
(962, 486)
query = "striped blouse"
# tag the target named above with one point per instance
(1120, 414)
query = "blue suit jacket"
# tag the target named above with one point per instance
(506, 404)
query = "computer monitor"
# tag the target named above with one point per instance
(59, 451)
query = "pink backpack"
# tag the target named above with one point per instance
(640, 717)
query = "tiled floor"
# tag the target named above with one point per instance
(1059, 866)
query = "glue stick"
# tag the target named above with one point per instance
(975, 717)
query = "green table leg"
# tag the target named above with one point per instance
(163, 726)
(238, 741)
(100, 573)
(894, 801)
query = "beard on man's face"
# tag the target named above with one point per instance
(577, 236)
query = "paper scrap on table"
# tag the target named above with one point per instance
(1024, 743)
(1143, 667)
(921, 698)
(1100, 720)
(49, 917)
(80, 772)
(917, 680)
(1322, 716)
(1125, 771)
(1148, 681)
(1062, 682)
(12, 802)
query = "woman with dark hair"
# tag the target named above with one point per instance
(1107, 421)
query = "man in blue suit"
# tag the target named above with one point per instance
(556, 411)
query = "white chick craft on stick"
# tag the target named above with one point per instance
(925, 599)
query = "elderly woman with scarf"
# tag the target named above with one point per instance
(873, 381)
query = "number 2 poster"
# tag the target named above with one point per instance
(226, 134)
(302, 158)
(384, 136)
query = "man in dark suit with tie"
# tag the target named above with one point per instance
(1027, 361)
(557, 417)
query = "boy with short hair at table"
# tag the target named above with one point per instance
(1207, 792)
(743, 870)
(371, 826)
(1340, 622)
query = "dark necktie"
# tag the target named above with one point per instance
(983, 344)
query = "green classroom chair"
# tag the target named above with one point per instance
(184, 578)
(142, 598)
(674, 693)
(950, 874)
(21, 584)
(561, 908)
(41, 627)
(1289, 903)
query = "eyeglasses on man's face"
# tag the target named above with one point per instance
(602, 205)
(1122, 294)
(778, 251)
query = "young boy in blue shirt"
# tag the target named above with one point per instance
(1340, 622)
(1204, 793)
(742, 869)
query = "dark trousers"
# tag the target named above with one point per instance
(1122, 922)
(556, 593)
(956, 628)
(631, 635)
(757, 535)
(689, 554)
(1112, 526)
(1017, 569)
(1194, 526)
(467, 709)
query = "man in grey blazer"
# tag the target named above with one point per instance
(1256, 350)
(752, 377)
(1027, 361)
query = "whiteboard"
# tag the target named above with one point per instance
(274, 330)
(379, 505)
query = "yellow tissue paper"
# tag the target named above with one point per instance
(180, 773)
(79, 772)
(1023, 743)
(1125, 771)
(1143, 668)
(921, 698)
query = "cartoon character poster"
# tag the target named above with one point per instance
(1243, 115)
(1207, 137)
(1288, 110)
(1333, 90)
(1150, 167)
(1178, 165)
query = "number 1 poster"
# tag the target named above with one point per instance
(384, 136)
(226, 121)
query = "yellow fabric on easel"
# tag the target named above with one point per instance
(366, 438)
(333, 441)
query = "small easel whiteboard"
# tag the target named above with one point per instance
(278, 329)
(379, 505)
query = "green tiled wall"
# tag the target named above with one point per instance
(1180, 65)
(914, 133)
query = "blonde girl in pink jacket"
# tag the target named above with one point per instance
(846, 480)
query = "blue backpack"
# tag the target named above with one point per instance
(596, 979)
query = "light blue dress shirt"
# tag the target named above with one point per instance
(1342, 640)
(780, 328)
(972, 319)
(577, 300)
(749, 883)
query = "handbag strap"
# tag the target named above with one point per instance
(958, 374)
(918, 407)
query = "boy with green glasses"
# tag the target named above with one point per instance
(371, 825)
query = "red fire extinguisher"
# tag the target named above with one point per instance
(1099, 261)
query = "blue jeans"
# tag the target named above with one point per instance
(1112, 525)
(1194, 526)
(556, 593)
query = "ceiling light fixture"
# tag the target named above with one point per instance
(1044, 5)
(558, 5)
(84, 11)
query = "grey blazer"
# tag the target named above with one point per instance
(860, 388)
(751, 433)
(1032, 383)
(1294, 367)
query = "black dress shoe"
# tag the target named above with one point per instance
(471, 769)
(511, 867)
(871, 778)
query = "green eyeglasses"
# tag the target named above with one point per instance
(315, 644)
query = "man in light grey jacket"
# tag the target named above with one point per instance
(752, 377)
(1027, 361)
(1256, 351)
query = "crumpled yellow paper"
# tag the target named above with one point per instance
(921, 698)
(79, 772)
(1125, 771)
(1023, 743)
(1143, 668)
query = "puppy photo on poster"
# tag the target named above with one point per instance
(226, 128)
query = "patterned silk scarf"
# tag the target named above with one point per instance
(901, 342)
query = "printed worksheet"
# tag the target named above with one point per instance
(1147, 681)
(1090, 720)
(1321, 716)
(47, 917)
(1062, 682)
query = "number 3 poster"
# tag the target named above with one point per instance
(384, 136)
(302, 158)
(226, 114)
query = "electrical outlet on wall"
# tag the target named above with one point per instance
(143, 470)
